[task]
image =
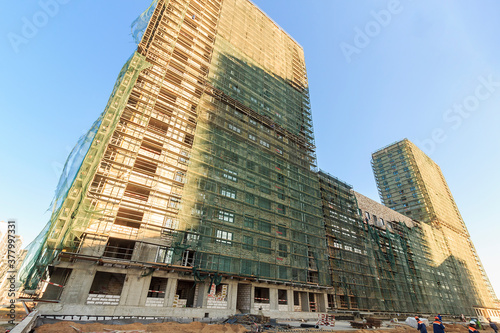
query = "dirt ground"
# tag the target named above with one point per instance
(194, 327)
(5, 313)
(197, 327)
(5, 317)
(455, 328)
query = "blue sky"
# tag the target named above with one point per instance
(379, 71)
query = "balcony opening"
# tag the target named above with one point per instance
(151, 146)
(142, 165)
(184, 296)
(119, 248)
(106, 289)
(282, 297)
(157, 126)
(135, 191)
(129, 217)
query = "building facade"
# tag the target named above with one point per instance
(350, 264)
(406, 280)
(197, 193)
(379, 259)
(412, 184)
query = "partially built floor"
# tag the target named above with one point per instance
(111, 289)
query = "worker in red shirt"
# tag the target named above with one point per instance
(437, 325)
(421, 325)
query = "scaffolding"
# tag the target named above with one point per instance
(381, 260)
(349, 263)
(202, 162)
(411, 183)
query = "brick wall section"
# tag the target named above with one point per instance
(103, 299)
(153, 301)
(264, 306)
(216, 304)
(219, 300)
(374, 208)
(244, 297)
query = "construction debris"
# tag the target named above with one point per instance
(248, 319)
(106, 330)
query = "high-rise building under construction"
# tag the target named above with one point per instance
(412, 184)
(196, 193)
(198, 186)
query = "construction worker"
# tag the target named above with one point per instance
(493, 325)
(472, 327)
(421, 326)
(438, 325)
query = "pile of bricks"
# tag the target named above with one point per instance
(179, 303)
(154, 301)
(99, 299)
(217, 301)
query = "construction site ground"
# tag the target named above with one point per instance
(5, 316)
(198, 327)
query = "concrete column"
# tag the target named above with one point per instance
(304, 301)
(79, 283)
(252, 296)
(289, 298)
(273, 298)
(135, 289)
(170, 291)
(201, 302)
(232, 295)
(323, 302)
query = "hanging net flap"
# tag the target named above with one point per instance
(141, 23)
(40, 252)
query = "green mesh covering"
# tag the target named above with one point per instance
(79, 168)
(141, 23)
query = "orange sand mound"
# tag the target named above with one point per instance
(194, 327)
(197, 327)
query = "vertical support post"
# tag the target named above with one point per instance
(273, 299)
(170, 292)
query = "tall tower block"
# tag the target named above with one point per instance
(197, 187)
(413, 184)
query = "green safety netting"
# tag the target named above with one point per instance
(73, 163)
(141, 23)
(37, 249)
(40, 254)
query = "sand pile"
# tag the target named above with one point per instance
(197, 327)
(194, 327)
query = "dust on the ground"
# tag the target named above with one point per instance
(455, 328)
(197, 327)
(194, 327)
(5, 312)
